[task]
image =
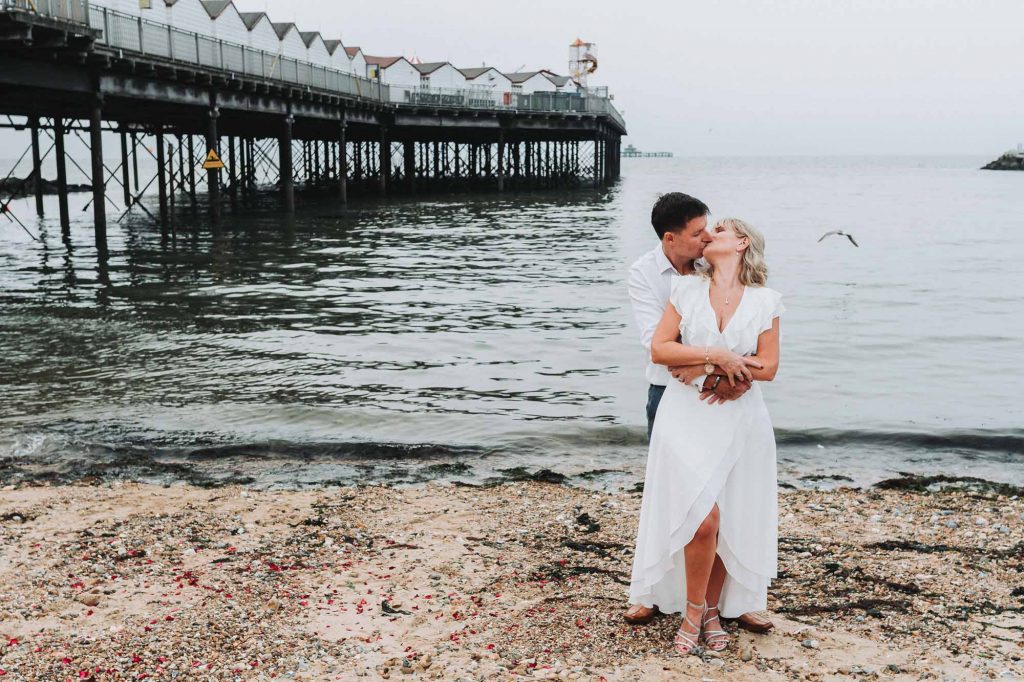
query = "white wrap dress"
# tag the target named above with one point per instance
(703, 454)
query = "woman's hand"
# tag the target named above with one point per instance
(736, 367)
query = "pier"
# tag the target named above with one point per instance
(631, 152)
(71, 68)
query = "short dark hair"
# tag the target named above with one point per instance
(673, 210)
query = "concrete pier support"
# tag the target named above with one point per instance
(409, 165)
(548, 173)
(527, 170)
(285, 164)
(62, 176)
(243, 166)
(304, 146)
(384, 164)
(171, 189)
(517, 168)
(342, 163)
(125, 183)
(606, 161)
(191, 170)
(232, 175)
(161, 179)
(135, 162)
(501, 160)
(213, 174)
(318, 168)
(37, 170)
(99, 199)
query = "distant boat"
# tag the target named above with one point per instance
(632, 152)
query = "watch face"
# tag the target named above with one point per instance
(709, 369)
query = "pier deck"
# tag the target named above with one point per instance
(67, 65)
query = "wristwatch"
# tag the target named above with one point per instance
(709, 367)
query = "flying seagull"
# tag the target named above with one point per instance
(840, 232)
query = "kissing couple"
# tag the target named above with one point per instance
(706, 546)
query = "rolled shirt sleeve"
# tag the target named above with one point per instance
(647, 308)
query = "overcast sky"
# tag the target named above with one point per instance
(738, 76)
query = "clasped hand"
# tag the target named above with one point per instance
(736, 367)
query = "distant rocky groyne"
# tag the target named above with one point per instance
(1008, 161)
(23, 187)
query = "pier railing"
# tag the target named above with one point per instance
(154, 39)
(134, 34)
(69, 10)
(483, 98)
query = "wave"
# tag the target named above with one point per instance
(350, 450)
(1007, 441)
(58, 444)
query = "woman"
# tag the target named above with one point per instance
(706, 546)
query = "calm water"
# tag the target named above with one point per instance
(458, 337)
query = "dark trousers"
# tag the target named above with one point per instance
(654, 394)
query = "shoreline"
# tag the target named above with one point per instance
(521, 579)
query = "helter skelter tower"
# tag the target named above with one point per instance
(582, 61)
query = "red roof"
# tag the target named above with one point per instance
(382, 62)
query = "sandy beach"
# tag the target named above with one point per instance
(520, 580)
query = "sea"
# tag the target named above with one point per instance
(478, 338)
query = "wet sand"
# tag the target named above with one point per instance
(521, 580)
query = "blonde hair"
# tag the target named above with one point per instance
(753, 269)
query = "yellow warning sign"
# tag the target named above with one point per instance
(212, 161)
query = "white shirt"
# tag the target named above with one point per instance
(650, 283)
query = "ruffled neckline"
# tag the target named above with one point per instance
(710, 318)
(714, 315)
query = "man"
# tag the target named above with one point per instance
(680, 221)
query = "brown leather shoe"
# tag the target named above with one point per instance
(753, 623)
(640, 615)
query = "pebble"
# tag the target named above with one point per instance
(980, 521)
(951, 523)
(88, 599)
(282, 571)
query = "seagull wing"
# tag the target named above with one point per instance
(829, 234)
(852, 240)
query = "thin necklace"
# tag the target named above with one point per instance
(727, 295)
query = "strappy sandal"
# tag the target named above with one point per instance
(716, 640)
(752, 623)
(640, 620)
(685, 642)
